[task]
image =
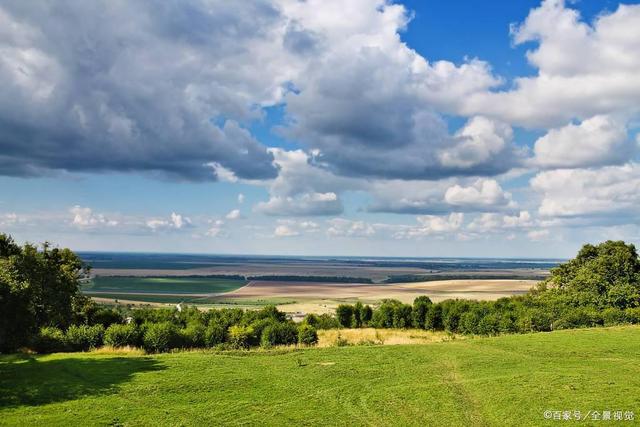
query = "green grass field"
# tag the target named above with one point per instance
(159, 289)
(508, 380)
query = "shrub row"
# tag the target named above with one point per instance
(225, 329)
(506, 315)
(76, 338)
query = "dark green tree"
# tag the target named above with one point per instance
(421, 307)
(344, 312)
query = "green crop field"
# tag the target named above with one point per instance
(507, 380)
(161, 285)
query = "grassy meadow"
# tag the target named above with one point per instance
(506, 380)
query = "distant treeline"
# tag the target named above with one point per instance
(480, 276)
(266, 277)
(189, 276)
(328, 279)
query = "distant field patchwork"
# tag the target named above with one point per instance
(160, 289)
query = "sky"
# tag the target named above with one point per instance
(321, 127)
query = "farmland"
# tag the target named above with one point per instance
(506, 380)
(159, 289)
(296, 285)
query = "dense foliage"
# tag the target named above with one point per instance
(38, 288)
(601, 286)
(41, 307)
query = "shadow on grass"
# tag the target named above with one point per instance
(32, 381)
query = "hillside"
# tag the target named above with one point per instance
(506, 380)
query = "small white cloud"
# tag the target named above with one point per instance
(285, 231)
(432, 224)
(84, 217)
(344, 227)
(213, 231)
(240, 198)
(9, 219)
(307, 204)
(223, 174)
(537, 235)
(233, 215)
(482, 193)
(175, 222)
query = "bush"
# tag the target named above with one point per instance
(452, 310)
(421, 306)
(507, 323)
(327, 321)
(105, 317)
(215, 334)
(241, 336)
(633, 315)
(193, 336)
(344, 313)
(366, 314)
(307, 335)
(311, 320)
(118, 335)
(433, 318)
(488, 325)
(271, 312)
(49, 340)
(577, 318)
(83, 337)
(159, 337)
(279, 334)
(258, 328)
(614, 316)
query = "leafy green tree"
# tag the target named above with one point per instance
(357, 314)
(307, 334)
(38, 288)
(118, 335)
(433, 318)
(84, 337)
(366, 314)
(421, 307)
(344, 313)
(604, 275)
(159, 337)
(49, 340)
(192, 335)
(215, 334)
(241, 337)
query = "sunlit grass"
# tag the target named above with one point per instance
(503, 381)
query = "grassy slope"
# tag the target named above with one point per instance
(507, 380)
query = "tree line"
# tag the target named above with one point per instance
(42, 308)
(599, 287)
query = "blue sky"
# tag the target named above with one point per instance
(365, 127)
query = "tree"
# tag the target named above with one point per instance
(604, 275)
(366, 314)
(421, 307)
(357, 315)
(344, 312)
(38, 288)
(307, 334)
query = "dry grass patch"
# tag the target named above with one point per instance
(372, 336)
(120, 351)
